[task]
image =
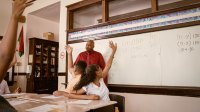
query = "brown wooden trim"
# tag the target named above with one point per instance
(15, 74)
(70, 16)
(159, 90)
(154, 5)
(62, 74)
(181, 3)
(138, 17)
(66, 79)
(131, 14)
(144, 31)
(82, 4)
(148, 10)
(105, 11)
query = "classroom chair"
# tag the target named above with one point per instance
(120, 101)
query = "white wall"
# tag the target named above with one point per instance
(36, 26)
(160, 103)
(5, 13)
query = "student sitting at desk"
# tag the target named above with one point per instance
(92, 83)
(4, 89)
(76, 71)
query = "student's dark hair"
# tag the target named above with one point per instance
(81, 66)
(88, 77)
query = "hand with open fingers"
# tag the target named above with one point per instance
(113, 46)
(69, 49)
(18, 7)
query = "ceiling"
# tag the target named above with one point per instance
(51, 12)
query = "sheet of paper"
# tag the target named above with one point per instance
(52, 97)
(45, 108)
(80, 102)
(17, 102)
(12, 95)
(30, 99)
(30, 59)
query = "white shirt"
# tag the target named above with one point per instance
(102, 91)
(4, 89)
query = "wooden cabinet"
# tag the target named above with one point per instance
(43, 58)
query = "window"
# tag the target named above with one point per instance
(87, 16)
(119, 9)
(171, 4)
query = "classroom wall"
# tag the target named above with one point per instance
(160, 103)
(33, 30)
(5, 13)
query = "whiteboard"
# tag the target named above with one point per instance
(162, 58)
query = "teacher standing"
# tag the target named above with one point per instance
(90, 56)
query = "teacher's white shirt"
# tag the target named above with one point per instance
(102, 91)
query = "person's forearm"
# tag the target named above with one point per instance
(70, 61)
(13, 62)
(84, 97)
(108, 64)
(8, 46)
(9, 41)
(110, 60)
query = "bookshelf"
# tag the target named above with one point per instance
(43, 59)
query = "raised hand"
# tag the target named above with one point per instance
(113, 46)
(18, 7)
(69, 49)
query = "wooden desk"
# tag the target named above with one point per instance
(62, 104)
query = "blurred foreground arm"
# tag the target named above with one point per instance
(8, 43)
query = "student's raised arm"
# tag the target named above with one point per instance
(8, 43)
(110, 60)
(70, 60)
(13, 62)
